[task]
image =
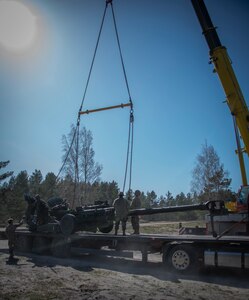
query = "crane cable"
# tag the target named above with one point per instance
(84, 95)
(129, 155)
(131, 119)
(76, 175)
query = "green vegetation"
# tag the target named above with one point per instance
(167, 227)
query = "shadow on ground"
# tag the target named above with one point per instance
(88, 262)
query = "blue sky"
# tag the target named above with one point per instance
(178, 101)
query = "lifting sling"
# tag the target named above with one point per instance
(128, 165)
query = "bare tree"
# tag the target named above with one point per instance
(80, 163)
(89, 170)
(209, 179)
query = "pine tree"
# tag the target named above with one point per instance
(35, 181)
(5, 175)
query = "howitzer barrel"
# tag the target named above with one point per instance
(212, 206)
(158, 210)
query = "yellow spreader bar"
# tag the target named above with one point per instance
(104, 108)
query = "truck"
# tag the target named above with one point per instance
(181, 253)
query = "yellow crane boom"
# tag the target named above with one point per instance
(223, 67)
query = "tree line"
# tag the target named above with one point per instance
(12, 203)
(80, 184)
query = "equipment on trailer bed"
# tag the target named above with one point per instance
(101, 216)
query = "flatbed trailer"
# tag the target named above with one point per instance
(179, 252)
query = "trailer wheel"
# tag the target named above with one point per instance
(68, 224)
(40, 245)
(60, 247)
(180, 258)
(106, 229)
(24, 243)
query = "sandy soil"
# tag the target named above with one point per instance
(96, 277)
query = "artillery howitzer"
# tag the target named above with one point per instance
(60, 218)
(101, 215)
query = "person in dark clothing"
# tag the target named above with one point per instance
(135, 204)
(10, 232)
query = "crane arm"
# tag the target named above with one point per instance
(224, 69)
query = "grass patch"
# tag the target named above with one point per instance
(167, 227)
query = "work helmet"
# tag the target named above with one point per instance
(137, 193)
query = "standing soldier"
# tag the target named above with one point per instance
(10, 232)
(136, 204)
(121, 206)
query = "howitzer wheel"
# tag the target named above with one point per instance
(106, 228)
(68, 224)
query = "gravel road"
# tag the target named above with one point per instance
(89, 277)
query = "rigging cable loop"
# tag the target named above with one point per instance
(76, 172)
(129, 151)
(131, 155)
(127, 157)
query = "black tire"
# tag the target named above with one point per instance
(107, 228)
(40, 245)
(181, 258)
(68, 224)
(24, 243)
(60, 247)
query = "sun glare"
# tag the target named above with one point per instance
(18, 27)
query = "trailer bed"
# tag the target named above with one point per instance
(141, 238)
(181, 252)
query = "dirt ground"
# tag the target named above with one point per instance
(96, 277)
